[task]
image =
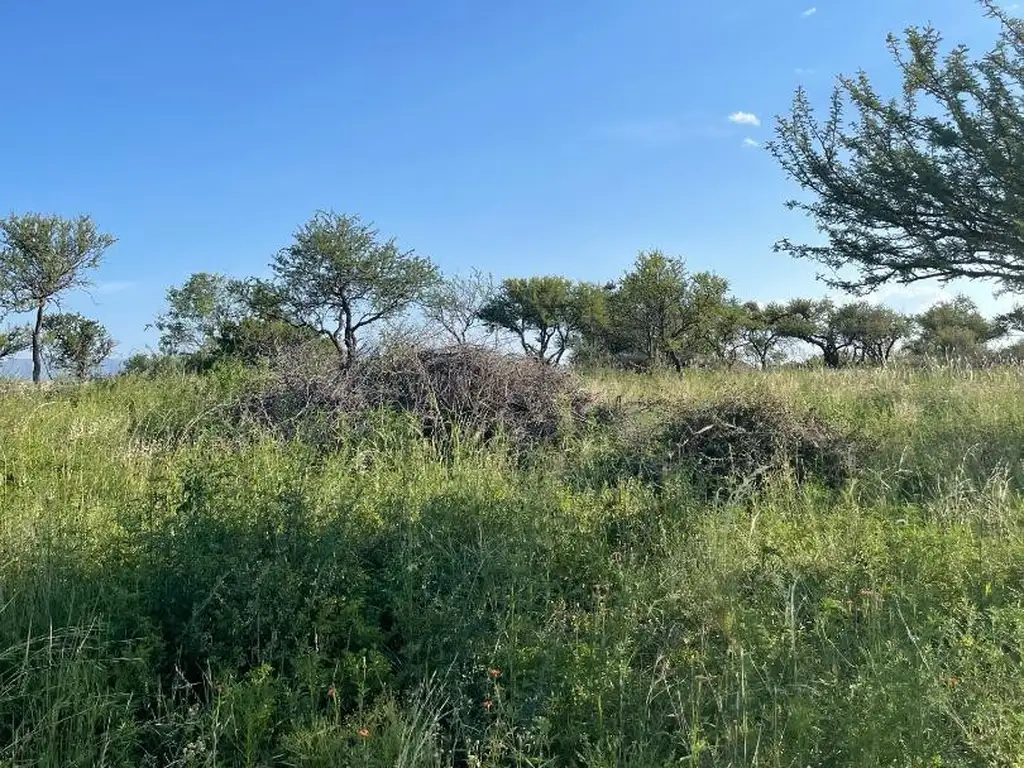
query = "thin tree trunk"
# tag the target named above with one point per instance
(337, 345)
(676, 360)
(37, 345)
(351, 346)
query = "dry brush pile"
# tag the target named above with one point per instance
(465, 391)
(478, 394)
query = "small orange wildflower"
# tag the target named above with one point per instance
(364, 733)
(495, 673)
(332, 693)
(488, 704)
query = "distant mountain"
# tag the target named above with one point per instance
(21, 368)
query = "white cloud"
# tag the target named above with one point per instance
(804, 71)
(744, 118)
(914, 298)
(749, 142)
(911, 299)
(114, 286)
(809, 12)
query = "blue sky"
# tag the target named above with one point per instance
(529, 137)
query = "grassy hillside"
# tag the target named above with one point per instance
(180, 587)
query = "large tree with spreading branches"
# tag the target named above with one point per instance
(926, 184)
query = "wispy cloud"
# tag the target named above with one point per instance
(744, 118)
(662, 131)
(809, 12)
(804, 71)
(649, 131)
(916, 297)
(749, 142)
(911, 299)
(114, 286)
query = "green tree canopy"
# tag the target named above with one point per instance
(664, 314)
(76, 345)
(14, 340)
(761, 332)
(818, 323)
(872, 331)
(42, 258)
(252, 340)
(647, 308)
(543, 313)
(714, 321)
(955, 329)
(926, 184)
(339, 277)
(197, 311)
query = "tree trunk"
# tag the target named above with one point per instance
(37, 344)
(350, 347)
(677, 361)
(831, 355)
(337, 345)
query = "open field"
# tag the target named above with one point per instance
(180, 589)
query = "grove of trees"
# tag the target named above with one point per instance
(656, 315)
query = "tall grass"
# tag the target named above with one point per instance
(179, 589)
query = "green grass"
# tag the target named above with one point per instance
(179, 590)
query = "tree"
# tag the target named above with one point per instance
(816, 323)
(665, 314)
(151, 364)
(873, 332)
(197, 311)
(76, 344)
(761, 332)
(455, 303)
(1012, 353)
(711, 321)
(42, 258)
(955, 329)
(338, 278)
(541, 312)
(211, 317)
(15, 340)
(927, 185)
(646, 309)
(251, 340)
